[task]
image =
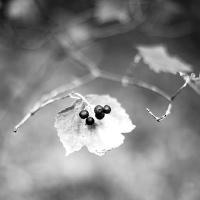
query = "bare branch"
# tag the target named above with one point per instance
(36, 108)
(85, 62)
(129, 71)
(126, 81)
(116, 30)
(95, 71)
(53, 97)
(187, 80)
(159, 119)
(70, 86)
(137, 83)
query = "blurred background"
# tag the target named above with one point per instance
(158, 161)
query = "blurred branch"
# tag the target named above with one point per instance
(115, 30)
(84, 61)
(95, 72)
(70, 86)
(175, 31)
(125, 81)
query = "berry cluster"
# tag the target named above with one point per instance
(99, 114)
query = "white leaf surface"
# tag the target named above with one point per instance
(104, 135)
(159, 60)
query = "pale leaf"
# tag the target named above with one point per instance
(104, 135)
(158, 60)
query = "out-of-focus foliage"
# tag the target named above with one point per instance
(114, 10)
(91, 18)
(159, 61)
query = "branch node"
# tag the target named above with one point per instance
(159, 119)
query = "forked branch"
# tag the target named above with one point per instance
(187, 80)
(94, 72)
(53, 96)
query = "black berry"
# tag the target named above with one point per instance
(84, 114)
(106, 109)
(98, 109)
(89, 121)
(99, 115)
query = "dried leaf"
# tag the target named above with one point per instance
(159, 60)
(104, 135)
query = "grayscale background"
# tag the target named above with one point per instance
(158, 161)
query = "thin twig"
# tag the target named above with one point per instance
(130, 81)
(124, 80)
(38, 106)
(194, 87)
(95, 72)
(115, 30)
(84, 61)
(187, 80)
(137, 83)
(159, 119)
(168, 31)
(180, 89)
(53, 97)
(70, 86)
(129, 71)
